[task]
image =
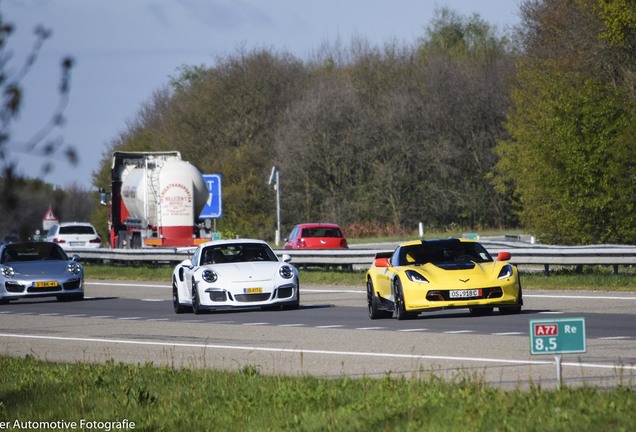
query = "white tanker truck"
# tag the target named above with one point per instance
(156, 199)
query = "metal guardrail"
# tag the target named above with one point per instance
(358, 257)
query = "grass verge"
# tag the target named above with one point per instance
(591, 279)
(167, 399)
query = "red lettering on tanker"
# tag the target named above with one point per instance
(176, 200)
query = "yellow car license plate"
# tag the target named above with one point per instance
(45, 284)
(253, 290)
(465, 293)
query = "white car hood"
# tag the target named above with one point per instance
(247, 271)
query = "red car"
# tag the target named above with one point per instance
(316, 236)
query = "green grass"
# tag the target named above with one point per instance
(167, 399)
(591, 279)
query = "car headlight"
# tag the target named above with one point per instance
(8, 271)
(74, 268)
(415, 276)
(506, 272)
(286, 272)
(209, 276)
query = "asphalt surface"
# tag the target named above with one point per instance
(330, 335)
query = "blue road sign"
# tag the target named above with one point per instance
(213, 207)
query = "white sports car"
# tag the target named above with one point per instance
(234, 274)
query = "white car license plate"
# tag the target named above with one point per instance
(253, 290)
(77, 243)
(465, 293)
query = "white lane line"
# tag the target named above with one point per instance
(580, 297)
(318, 352)
(551, 313)
(370, 328)
(329, 326)
(103, 316)
(413, 330)
(157, 319)
(459, 331)
(153, 300)
(508, 334)
(615, 338)
(129, 318)
(76, 315)
(50, 314)
(291, 325)
(255, 324)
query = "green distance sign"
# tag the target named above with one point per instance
(557, 336)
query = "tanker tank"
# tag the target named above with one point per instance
(169, 195)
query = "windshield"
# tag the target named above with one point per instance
(237, 252)
(442, 252)
(20, 252)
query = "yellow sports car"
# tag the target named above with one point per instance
(422, 275)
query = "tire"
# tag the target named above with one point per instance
(480, 311)
(178, 307)
(399, 311)
(196, 305)
(70, 297)
(294, 304)
(373, 303)
(513, 310)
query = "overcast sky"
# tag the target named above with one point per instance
(126, 49)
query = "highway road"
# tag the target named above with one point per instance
(330, 335)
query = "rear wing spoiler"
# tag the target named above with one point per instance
(383, 255)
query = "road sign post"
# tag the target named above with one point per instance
(557, 336)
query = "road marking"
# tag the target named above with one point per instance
(255, 324)
(370, 328)
(157, 319)
(508, 334)
(104, 316)
(459, 331)
(76, 315)
(50, 314)
(129, 318)
(616, 366)
(291, 325)
(413, 330)
(329, 326)
(551, 313)
(153, 300)
(614, 338)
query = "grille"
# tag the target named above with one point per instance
(443, 295)
(73, 284)
(218, 296)
(44, 289)
(246, 298)
(285, 292)
(14, 287)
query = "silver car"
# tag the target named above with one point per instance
(39, 269)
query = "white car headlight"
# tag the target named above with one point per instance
(286, 272)
(415, 276)
(209, 276)
(506, 272)
(8, 271)
(74, 268)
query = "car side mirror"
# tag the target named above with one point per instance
(382, 262)
(503, 256)
(286, 258)
(75, 257)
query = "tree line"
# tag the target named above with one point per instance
(466, 127)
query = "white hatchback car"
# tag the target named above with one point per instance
(74, 235)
